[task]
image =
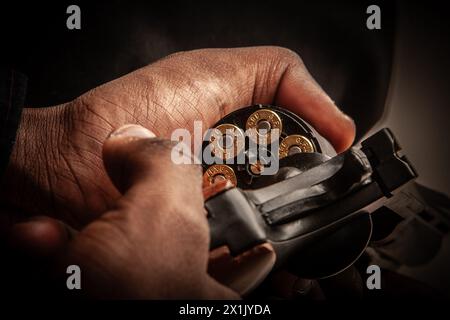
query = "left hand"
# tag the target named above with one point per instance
(56, 167)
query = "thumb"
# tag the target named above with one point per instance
(161, 216)
(140, 166)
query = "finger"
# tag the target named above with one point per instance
(243, 76)
(300, 93)
(141, 167)
(159, 220)
(40, 236)
(281, 78)
(117, 152)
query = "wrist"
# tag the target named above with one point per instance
(26, 184)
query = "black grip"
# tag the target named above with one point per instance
(233, 222)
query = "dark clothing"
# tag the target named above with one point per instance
(12, 98)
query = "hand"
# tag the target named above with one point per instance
(56, 166)
(154, 242)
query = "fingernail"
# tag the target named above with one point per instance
(132, 130)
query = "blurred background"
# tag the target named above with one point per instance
(418, 103)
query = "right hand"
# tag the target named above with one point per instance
(154, 242)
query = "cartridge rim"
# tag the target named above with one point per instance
(219, 170)
(270, 119)
(295, 140)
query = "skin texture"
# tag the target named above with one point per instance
(57, 168)
(172, 240)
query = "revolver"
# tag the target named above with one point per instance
(311, 216)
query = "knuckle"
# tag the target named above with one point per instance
(285, 54)
(175, 55)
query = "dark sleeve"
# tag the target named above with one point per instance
(12, 97)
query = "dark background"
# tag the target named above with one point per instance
(118, 37)
(395, 76)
